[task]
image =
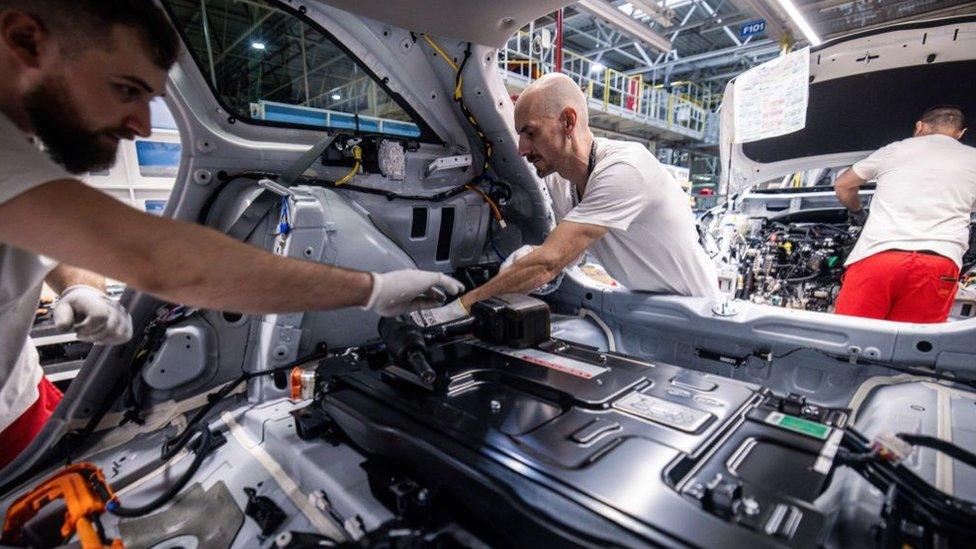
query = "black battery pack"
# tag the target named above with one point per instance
(513, 320)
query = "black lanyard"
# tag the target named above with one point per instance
(589, 171)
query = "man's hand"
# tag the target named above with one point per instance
(858, 218)
(515, 256)
(92, 315)
(398, 292)
(846, 187)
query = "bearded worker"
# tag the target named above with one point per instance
(612, 199)
(78, 76)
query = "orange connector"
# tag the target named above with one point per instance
(85, 493)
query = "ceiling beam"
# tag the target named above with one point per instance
(625, 24)
(599, 40)
(658, 13)
(752, 48)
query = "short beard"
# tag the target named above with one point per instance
(57, 123)
(543, 174)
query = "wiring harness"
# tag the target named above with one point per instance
(915, 512)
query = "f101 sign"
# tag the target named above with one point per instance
(752, 28)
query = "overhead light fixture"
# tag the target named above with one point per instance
(597, 67)
(257, 45)
(336, 97)
(800, 22)
(659, 14)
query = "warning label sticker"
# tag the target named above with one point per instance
(563, 364)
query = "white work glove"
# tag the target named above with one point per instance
(92, 315)
(399, 292)
(432, 317)
(515, 256)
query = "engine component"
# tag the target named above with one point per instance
(795, 265)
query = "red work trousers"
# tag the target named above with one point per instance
(900, 285)
(22, 431)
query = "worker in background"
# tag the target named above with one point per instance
(78, 75)
(905, 265)
(612, 199)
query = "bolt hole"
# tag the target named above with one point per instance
(232, 317)
(162, 370)
(187, 346)
(589, 296)
(924, 346)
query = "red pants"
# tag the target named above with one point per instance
(22, 431)
(899, 285)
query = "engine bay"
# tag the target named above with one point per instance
(793, 264)
(789, 251)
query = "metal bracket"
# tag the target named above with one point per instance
(726, 308)
(279, 190)
(447, 163)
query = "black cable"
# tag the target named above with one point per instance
(200, 449)
(195, 425)
(215, 397)
(487, 148)
(944, 446)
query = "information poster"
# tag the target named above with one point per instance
(771, 99)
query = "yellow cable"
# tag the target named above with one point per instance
(442, 53)
(458, 95)
(357, 153)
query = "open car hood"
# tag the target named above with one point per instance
(488, 23)
(866, 90)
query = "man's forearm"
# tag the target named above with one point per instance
(849, 198)
(566, 243)
(846, 188)
(244, 279)
(524, 276)
(174, 260)
(64, 276)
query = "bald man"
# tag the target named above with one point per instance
(611, 198)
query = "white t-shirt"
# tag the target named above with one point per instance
(22, 167)
(926, 193)
(652, 244)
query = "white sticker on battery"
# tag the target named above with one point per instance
(563, 364)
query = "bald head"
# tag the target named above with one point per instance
(552, 94)
(552, 122)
